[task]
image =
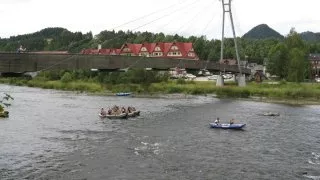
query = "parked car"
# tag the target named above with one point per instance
(204, 72)
(190, 76)
(227, 76)
(213, 77)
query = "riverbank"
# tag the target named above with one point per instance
(282, 92)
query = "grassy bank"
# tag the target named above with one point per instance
(293, 92)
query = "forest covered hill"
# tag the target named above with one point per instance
(254, 46)
(262, 31)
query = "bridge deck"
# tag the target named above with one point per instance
(32, 62)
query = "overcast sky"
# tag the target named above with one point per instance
(184, 17)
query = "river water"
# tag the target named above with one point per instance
(58, 135)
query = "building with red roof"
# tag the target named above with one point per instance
(179, 50)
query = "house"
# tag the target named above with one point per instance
(179, 50)
(314, 60)
(259, 76)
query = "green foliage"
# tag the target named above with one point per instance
(288, 60)
(296, 70)
(181, 81)
(293, 40)
(46, 39)
(49, 75)
(135, 76)
(71, 86)
(62, 39)
(251, 49)
(281, 90)
(278, 61)
(67, 77)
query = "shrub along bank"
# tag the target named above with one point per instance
(150, 82)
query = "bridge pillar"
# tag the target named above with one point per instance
(220, 81)
(242, 80)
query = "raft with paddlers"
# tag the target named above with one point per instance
(119, 113)
(114, 116)
(231, 125)
(227, 126)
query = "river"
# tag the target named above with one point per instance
(58, 135)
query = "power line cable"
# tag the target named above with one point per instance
(171, 12)
(174, 20)
(147, 15)
(165, 15)
(209, 22)
(193, 18)
(207, 25)
(179, 9)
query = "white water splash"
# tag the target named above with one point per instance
(315, 159)
(312, 177)
(148, 148)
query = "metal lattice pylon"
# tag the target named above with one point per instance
(226, 6)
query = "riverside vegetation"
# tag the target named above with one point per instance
(142, 82)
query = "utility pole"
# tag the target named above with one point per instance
(226, 7)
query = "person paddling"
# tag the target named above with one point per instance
(217, 121)
(103, 112)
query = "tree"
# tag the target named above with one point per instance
(159, 37)
(198, 47)
(297, 57)
(293, 40)
(278, 61)
(288, 60)
(297, 68)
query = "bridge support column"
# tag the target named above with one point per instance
(242, 80)
(220, 81)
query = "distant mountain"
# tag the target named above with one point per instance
(310, 36)
(262, 31)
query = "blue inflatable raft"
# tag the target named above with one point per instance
(227, 126)
(123, 94)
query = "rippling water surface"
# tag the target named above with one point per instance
(58, 135)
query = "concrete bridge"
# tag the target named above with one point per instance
(18, 63)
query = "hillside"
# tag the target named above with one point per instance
(262, 31)
(47, 39)
(310, 36)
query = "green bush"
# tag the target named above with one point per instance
(67, 77)
(181, 81)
